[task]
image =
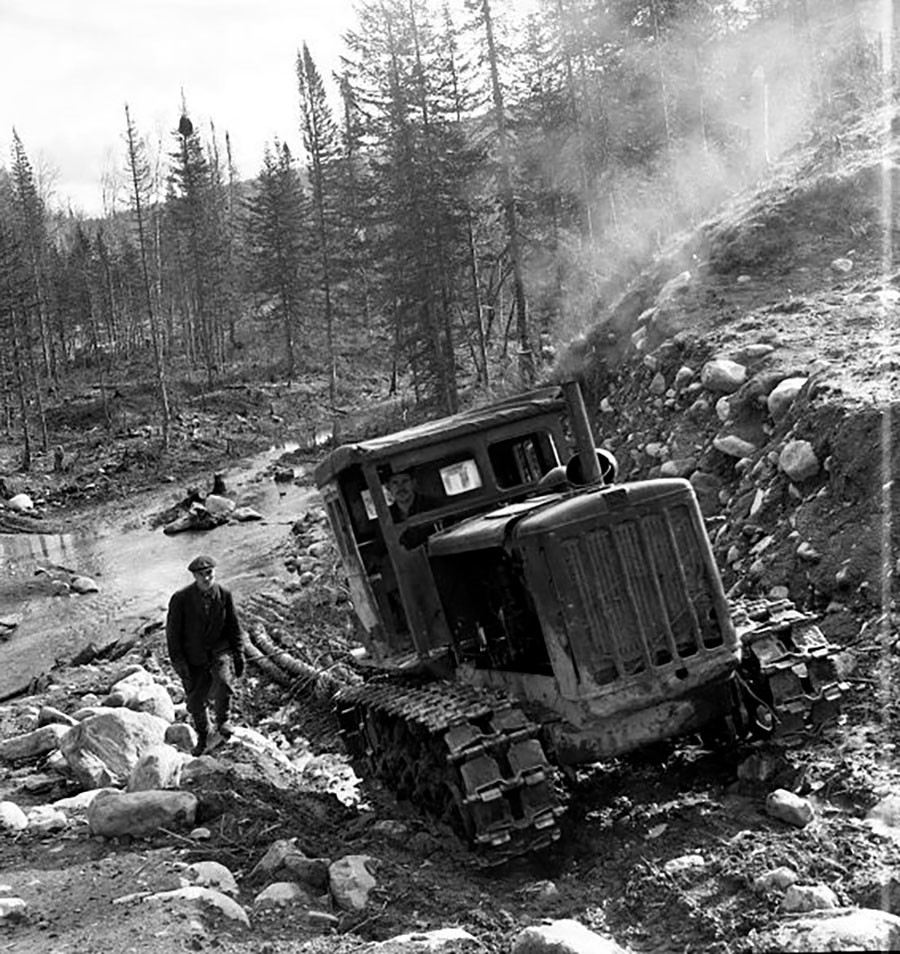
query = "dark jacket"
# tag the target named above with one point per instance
(194, 636)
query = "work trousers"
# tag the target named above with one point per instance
(213, 683)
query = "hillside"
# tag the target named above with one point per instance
(792, 282)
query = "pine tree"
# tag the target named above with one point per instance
(320, 139)
(276, 228)
(196, 245)
(31, 241)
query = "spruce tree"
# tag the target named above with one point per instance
(276, 230)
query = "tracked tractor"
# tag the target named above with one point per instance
(535, 614)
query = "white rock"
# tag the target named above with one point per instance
(158, 768)
(33, 745)
(216, 504)
(809, 897)
(798, 461)
(683, 377)
(46, 818)
(658, 384)
(723, 409)
(789, 808)
(782, 396)
(140, 813)
(753, 352)
(281, 893)
(12, 818)
(228, 906)
(20, 503)
(211, 874)
(245, 514)
(12, 909)
(442, 941)
(684, 863)
(850, 929)
(679, 467)
(83, 584)
(563, 937)
(733, 446)
(842, 265)
(351, 881)
(140, 691)
(722, 375)
(759, 498)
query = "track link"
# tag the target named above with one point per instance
(789, 668)
(469, 758)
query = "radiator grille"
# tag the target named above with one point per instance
(641, 596)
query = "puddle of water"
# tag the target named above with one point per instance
(136, 568)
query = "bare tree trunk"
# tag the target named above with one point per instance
(508, 201)
(136, 172)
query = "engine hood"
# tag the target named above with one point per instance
(489, 529)
(540, 515)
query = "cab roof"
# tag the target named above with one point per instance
(521, 407)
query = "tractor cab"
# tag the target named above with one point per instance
(387, 497)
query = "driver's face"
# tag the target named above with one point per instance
(402, 490)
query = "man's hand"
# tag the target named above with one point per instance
(238, 660)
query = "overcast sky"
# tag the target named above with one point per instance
(67, 68)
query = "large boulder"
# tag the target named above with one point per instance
(158, 768)
(783, 395)
(114, 814)
(141, 692)
(798, 460)
(351, 881)
(104, 749)
(722, 375)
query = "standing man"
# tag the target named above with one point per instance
(204, 641)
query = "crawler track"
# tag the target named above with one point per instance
(472, 759)
(789, 668)
(473, 762)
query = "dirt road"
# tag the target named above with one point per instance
(135, 567)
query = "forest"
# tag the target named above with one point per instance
(486, 183)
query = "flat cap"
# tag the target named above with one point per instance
(201, 563)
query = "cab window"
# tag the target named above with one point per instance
(522, 460)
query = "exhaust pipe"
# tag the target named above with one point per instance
(588, 464)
